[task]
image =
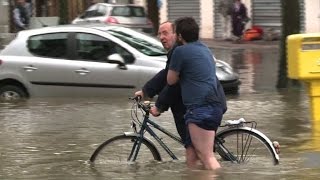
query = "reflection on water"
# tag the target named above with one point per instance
(53, 138)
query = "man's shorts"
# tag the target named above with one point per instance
(207, 117)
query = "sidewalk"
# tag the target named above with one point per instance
(257, 44)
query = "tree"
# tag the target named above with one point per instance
(290, 25)
(63, 11)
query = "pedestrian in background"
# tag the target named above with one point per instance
(239, 19)
(225, 10)
(21, 15)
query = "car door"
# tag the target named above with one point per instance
(51, 72)
(96, 75)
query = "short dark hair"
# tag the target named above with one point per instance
(188, 28)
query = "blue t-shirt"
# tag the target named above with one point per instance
(197, 71)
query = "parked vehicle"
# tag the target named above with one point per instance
(127, 15)
(79, 61)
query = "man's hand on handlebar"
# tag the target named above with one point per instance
(154, 111)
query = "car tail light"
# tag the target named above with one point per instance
(112, 20)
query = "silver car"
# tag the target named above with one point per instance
(126, 15)
(80, 61)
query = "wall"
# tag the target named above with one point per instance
(4, 16)
(312, 16)
(206, 13)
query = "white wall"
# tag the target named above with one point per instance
(163, 12)
(312, 16)
(206, 13)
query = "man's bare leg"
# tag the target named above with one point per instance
(202, 141)
(191, 157)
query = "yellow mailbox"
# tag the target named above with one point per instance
(304, 56)
(304, 64)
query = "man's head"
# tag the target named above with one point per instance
(166, 35)
(187, 30)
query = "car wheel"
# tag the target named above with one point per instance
(12, 93)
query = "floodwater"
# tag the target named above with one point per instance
(53, 138)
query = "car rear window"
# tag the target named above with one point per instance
(128, 11)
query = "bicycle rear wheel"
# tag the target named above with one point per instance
(118, 150)
(245, 145)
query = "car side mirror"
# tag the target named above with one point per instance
(117, 59)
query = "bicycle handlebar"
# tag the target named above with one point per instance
(146, 105)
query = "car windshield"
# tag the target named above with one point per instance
(143, 43)
(128, 11)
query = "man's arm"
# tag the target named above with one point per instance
(172, 77)
(168, 96)
(156, 84)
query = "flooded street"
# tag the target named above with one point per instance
(53, 138)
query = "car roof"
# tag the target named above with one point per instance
(113, 5)
(94, 26)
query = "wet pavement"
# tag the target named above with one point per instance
(53, 138)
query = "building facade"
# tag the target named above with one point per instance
(266, 14)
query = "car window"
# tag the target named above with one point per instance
(128, 11)
(143, 43)
(91, 12)
(138, 12)
(52, 45)
(102, 10)
(96, 48)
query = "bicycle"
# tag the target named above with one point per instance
(236, 142)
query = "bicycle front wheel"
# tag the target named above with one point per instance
(119, 150)
(245, 145)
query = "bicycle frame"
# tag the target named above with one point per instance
(145, 127)
(147, 124)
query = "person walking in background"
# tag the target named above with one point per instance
(21, 15)
(158, 84)
(224, 10)
(239, 18)
(193, 66)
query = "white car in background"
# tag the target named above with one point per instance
(126, 15)
(84, 61)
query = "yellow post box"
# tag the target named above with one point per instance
(304, 64)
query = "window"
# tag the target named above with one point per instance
(138, 12)
(121, 11)
(96, 48)
(102, 10)
(145, 44)
(49, 45)
(128, 11)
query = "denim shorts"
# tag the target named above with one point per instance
(207, 117)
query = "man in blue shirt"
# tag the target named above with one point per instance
(193, 66)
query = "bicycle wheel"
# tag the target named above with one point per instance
(118, 149)
(245, 145)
